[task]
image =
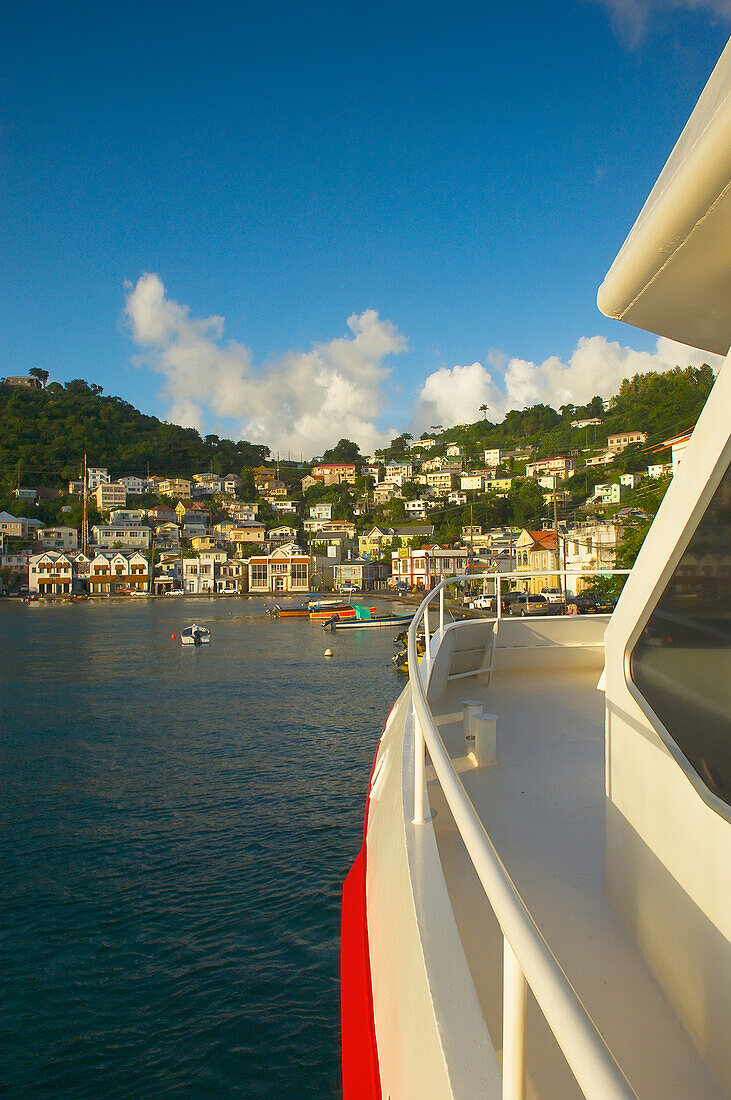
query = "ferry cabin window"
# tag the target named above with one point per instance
(682, 661)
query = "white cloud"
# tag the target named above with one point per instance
(454, 395)
(631, 17)
(303, 402)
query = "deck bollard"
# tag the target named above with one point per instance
(485, 749)
(480, 732)
(471, 708)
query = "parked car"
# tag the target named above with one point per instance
(529, 603)
(489, 603)
(590, 603)
(347, 588)
(553, 595)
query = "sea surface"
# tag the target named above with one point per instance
(175, 827)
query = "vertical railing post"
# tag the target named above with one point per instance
(514, 1010)
(498, 599)
(427, 637)
(419, 771)
(441, 612)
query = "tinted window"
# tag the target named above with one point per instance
(682, 660)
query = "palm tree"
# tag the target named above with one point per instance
(40, 374)
(484, 410)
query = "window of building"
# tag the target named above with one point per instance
(682, 661)
(259, 574)
(299, 573)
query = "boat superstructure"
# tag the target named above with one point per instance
(541, 904)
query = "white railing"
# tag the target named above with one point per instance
(528, 961)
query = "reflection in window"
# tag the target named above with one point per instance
(682, 660)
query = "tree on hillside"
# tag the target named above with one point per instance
(40, 374)
(343, 451)
(484, 410)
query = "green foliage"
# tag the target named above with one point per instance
(49, 430)
(343, 451)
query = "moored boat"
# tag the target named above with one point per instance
(540, 905)
(195, 635)
(343, 611)
(297, 612)
(363, 619)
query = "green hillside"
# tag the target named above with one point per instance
(47, 432)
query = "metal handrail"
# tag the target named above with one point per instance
(528, 960)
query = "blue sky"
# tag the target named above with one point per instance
(454, 178)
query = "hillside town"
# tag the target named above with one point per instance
(365, 522)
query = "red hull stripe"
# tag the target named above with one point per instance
(361, 1079)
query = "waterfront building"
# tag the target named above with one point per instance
(425, 567)
(232, 576)
(364, 574)
(50, 574)
(284, 570)
(114, 572)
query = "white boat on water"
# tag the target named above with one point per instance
(542, 903)
(195, 635)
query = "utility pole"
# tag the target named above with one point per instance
(85, 518)
(555, 535)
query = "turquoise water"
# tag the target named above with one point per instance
(176, 826)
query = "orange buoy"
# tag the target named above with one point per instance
(173, 637)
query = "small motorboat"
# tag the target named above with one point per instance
(365, 617)
(296, 612)
(342, 609)
(195, 635)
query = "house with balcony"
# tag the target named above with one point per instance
(96, 476)
(284, 570)
(561, 467)
(661, 469)
(602, 459)
(621, 440)
(246, 534)
(56, 538)
(427, 566)
(127, 517)
(536, 552)
(241, 511)
(373, 470)
(178, 487)
(232, 576)
(335, 473)
(50, 573)
(366, 575)
(161, 513)
(285, 507)
(19, 527)
(121, 536)
(166, 536)
(630, 481)
(416, 509)
(589, 546)
(494, 456)
(135, 486)
(376, 542)
(323, 510)
(441, 481)
(118, 572)
(609, 492)
(110, 495)
(280, 535)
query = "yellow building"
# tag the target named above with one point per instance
(536, 553)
